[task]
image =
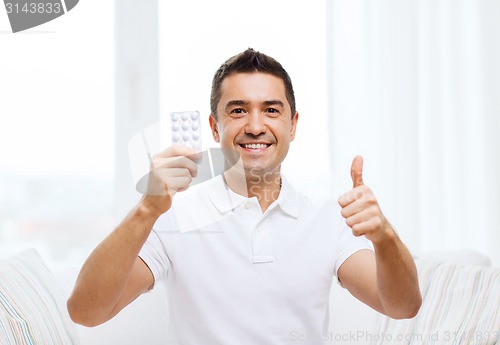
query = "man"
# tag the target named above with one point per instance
(260, 269)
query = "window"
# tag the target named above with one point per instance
(56, 134)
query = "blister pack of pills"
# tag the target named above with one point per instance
(186, 128)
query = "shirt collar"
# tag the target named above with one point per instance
(224, 199)
(289, 199)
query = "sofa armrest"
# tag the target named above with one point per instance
(144, 321)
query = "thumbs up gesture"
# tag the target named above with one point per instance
(360, 207)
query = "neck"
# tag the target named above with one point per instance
(265, 186)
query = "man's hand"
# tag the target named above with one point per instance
(114, 275)
(360, 207)
(387, 279)
(171, 171)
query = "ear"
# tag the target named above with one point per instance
(214, 127)
(295, 119)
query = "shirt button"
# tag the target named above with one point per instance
(258, 229)
(248, 204)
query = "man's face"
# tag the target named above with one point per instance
(254, 122)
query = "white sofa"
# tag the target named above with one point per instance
(351, 322)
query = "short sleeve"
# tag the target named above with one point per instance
(154, 251)
(348, 244)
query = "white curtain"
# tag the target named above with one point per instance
(415, 88)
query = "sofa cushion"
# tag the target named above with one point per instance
(459, 306)
(32, 305)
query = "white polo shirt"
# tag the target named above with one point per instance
(236, 275)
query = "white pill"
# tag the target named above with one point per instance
(186, 128)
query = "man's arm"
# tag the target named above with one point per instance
(114, 275)
(387, 279)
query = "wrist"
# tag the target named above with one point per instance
(386, 237)
(153, 209)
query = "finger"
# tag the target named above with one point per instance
(178, 184)
(163, 181)
(180, 150)
(173, 172)
(359, 218)
(352, 209)
(367, 227)
(178, 162)
(176, 179)
(357, 171)
(345, 199)
(360, 229)
(351, 196)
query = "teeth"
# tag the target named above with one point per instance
(255, 146)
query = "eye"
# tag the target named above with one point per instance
(237, 112)
(273, 112)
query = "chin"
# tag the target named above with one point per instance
(258, 170)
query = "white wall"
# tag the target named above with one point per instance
(414, 87)
(56, 133)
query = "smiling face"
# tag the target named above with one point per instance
(254, 122)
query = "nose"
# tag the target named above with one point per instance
(255, 124)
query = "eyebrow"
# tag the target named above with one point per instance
(235, 102)
(274, 102)
(242, 102)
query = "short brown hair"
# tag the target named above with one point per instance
(247, 62)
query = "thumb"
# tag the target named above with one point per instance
(357, 171)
